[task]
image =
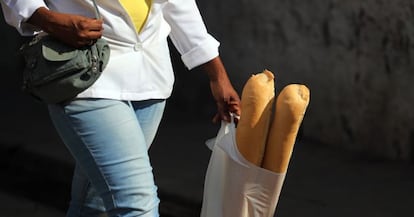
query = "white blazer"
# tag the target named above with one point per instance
(139, 67)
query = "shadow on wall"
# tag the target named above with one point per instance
(10, 61)
(191, 98)
(16, 104)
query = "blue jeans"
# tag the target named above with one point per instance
(109, 140)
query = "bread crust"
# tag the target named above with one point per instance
(290, 109)
(256, 109)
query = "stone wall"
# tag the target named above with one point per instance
(355, 56)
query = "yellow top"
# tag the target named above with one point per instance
(138, 10)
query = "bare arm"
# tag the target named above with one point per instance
(227, 99)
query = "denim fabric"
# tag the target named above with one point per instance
(109, 140)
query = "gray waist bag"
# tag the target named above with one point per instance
(55, 72)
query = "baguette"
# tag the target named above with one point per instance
(256, 108)
(291, 105)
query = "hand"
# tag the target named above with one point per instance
(73, 30)
(227, 99)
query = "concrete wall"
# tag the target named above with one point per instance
(355, 56)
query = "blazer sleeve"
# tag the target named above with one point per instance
(189, 34)
(17, 12)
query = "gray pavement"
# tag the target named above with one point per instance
(16, 206)
(322, 181)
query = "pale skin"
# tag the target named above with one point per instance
(80, 31)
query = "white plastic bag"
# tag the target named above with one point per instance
(235, 187)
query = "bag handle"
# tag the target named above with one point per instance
(97, 13)
(225, 128)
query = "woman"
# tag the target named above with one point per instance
(109, 127)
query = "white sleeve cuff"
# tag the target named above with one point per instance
(18, 12)
(206, 51)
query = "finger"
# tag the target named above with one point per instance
(87, 24)
(234, 107)
(216, 119)
(86, 37)
(220, 115)
(95, 25)
(224, 115)
(93, 35)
